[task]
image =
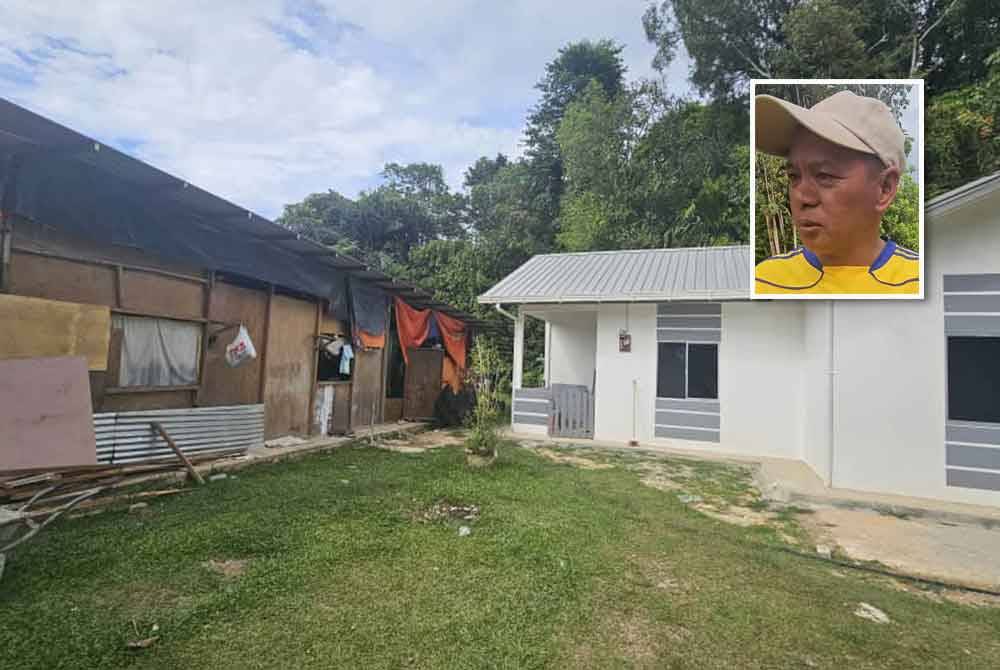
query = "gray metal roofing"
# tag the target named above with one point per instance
(963, 195)
(643, 275)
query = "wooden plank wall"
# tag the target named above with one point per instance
(423, 383)
(291, 351)
(366, 388)
(223, 385)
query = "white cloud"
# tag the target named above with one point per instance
(265, 102)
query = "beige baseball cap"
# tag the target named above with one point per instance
(850, 120)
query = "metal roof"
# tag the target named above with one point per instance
(963, 195)
(642, 275)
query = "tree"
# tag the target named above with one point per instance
(484, 170)
(962, 137)
(566, 78)
(732, 42)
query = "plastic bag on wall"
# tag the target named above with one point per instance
(241, 349)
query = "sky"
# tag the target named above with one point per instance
(265, 101)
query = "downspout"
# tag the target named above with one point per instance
(831, 372)
(505, 312)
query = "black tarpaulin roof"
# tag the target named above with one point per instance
(60, 178)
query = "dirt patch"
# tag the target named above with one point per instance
(657, 572)
(569, 459)
(229, 568)
(444, 510)
(737, 515)
(417, 443)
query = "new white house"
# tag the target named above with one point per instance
(664, 346)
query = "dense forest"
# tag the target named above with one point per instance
(613, 163)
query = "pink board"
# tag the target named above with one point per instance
(45, 413)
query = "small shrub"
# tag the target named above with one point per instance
(484, 422)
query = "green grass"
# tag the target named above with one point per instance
(565, 568)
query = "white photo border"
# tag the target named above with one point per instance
(917, 99)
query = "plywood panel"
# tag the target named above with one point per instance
(45, 413)
(133, 402)
(57, 279)
(290, 355)
(423, 383)
(221, 384)
(156, 294)
(366, 388)
(341, 408)
(47, 240)
(332, 325)
(33, 327)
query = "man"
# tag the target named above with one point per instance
(845, 157)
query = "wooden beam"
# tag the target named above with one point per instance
(154, 315)
(206, 308)
(170, 443)
(119, 286)
(263, 350)
(6, 233)
(315, 368)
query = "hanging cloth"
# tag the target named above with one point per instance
(413, 326)
(346, 354)
(369, 305)
(453, 335)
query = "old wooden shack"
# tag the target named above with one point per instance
(176, 271)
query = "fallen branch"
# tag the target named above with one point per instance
(35, 529)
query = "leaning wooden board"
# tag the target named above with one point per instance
(45, 414)
(33, 327)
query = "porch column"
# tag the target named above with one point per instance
(518, 348)
(548, 340)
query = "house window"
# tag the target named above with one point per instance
(157, 352)
(687, 370)
(974, 379)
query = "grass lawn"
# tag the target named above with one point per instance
(565, 567)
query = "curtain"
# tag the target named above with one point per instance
(453, 335)
(158, 352)
(413, 326)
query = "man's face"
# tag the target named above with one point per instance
(835, 195)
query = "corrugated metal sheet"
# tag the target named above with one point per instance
(647, 275)
(127, 436)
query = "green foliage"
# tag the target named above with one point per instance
(566, 78)
(732, 42)
(963, 133)
(486, 369)
(901, 223)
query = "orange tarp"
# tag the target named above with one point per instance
(453, 335)
(413, 325)
(369, 341)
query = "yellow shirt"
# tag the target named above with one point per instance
(895, 271)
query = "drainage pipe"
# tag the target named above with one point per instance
(831, 372)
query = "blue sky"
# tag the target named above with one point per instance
(266, 101)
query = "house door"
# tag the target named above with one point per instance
(572, 411)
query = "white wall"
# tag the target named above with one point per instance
(814, 380)
(571, 355)
(891, 381)
(615, 403)
(760, 397)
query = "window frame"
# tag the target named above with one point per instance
(949, 399)
(199, 362)
(687, 369)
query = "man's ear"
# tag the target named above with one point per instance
(888, 184)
